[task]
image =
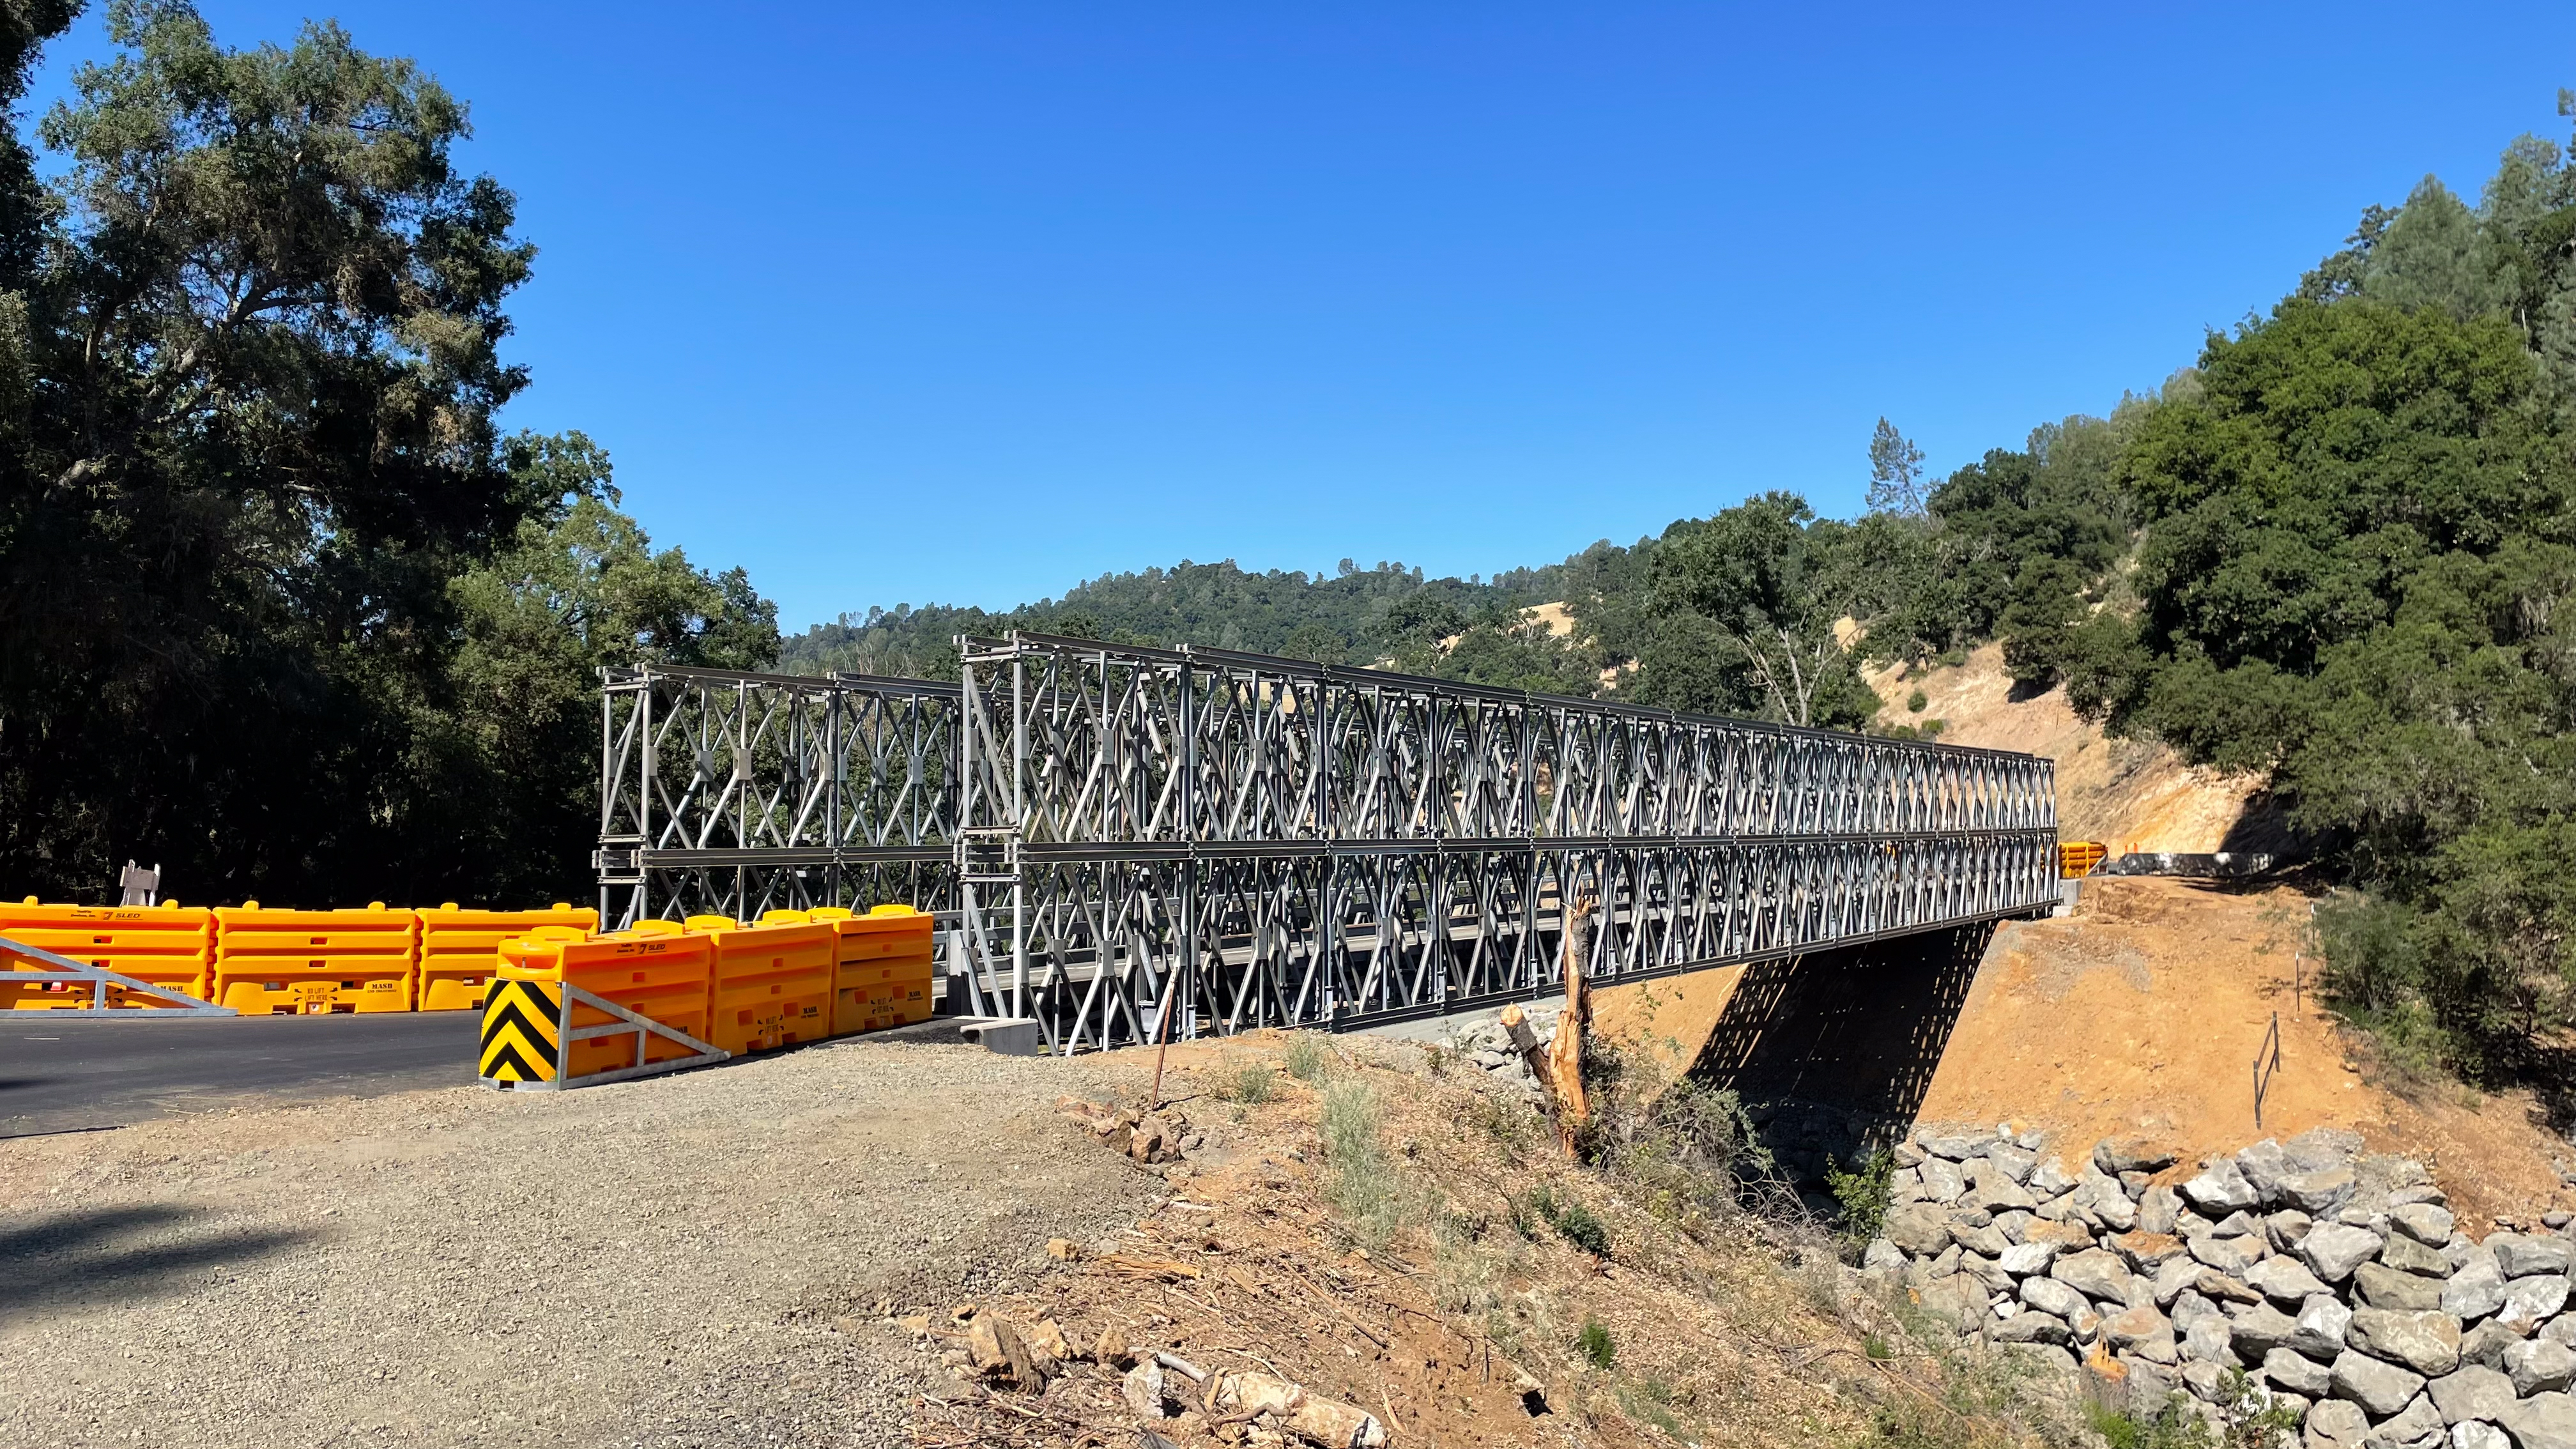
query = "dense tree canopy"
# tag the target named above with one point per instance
(252, 486)
(2358, 551)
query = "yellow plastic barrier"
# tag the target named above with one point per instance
(297, 963)
(167, 945)
(461, 949)
(882, 964)
(2077, 859)
(658, 974)
(772, 985)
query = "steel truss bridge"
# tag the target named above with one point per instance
(1245, 841)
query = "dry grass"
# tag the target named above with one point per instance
(1403, 1264)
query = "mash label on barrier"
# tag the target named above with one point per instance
(519, 1026)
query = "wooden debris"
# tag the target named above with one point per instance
(1533, 1056)
(1565, 1053)
(1129, 1265)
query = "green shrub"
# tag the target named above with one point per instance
(2378, 976)
(1682, 1150)
(1915, 702)
(1307, 1058)
(1572, 1220)
(1650, 1400)
(2244, 1423)
(1515, 1126)
(1596, 1343)
(1365, 1188)
(1251, 1085)
(1863, 1193)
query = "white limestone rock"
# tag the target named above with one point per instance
(2381, 1387)
(2296, 1373)
(2096, 1273)
(2335, 1424)
(2475, 1289)
(2220, 1189)
(2284, 1280)
(2422, 1221)
(2323, 1324)
(2417, 1426)
(2523, 1255)
(2543, 1421)
(2531, 1302)
(2540, 1366)
(2427, 1343)
(2471, 1392)
(2333, 1250)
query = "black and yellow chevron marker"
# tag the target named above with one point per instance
(519, 1031)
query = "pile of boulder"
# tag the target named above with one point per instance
(2337, 1282)
(1487, 1046)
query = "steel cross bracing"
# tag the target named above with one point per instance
(1261, 841)
(1258, 841)
(732, 794)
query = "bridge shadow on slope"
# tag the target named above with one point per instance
(1833, 1052)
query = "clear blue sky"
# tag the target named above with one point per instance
(966, 303)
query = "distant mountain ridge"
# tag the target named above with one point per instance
(1347, 618)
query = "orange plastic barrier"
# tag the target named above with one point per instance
(461, 949)
(296, 963)
(881, 971)
(166, 945)
(655, 971)
(772, 985)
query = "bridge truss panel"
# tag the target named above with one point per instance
(730, 794)
(1250, 841)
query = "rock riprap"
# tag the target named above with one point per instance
(2340, 1283)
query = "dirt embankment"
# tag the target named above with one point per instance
(2144, 1013)
(2128, 794)
(1504, 1297)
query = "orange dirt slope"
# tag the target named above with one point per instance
(2128, 794)
(2143, 1013)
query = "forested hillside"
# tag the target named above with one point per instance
(2337, 551)
(1354, 617)
(281, 608)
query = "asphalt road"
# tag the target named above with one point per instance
(69, 1076)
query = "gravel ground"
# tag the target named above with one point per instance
(657, 1263)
